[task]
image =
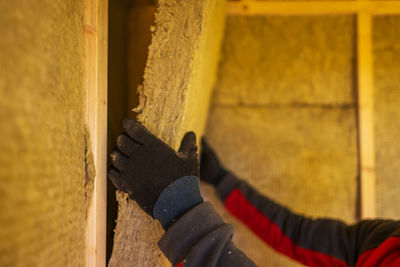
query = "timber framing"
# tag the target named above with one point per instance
(365, 105)
(364, 11)
(96, 40)
(290, 8)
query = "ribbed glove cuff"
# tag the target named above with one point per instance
(177, 198)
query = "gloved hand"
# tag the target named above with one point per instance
(144, 166)
(211, 170)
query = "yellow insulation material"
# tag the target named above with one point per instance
(179, 75)
(386, 45)
(283, 117)
(45, 159)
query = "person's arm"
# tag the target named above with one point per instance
(321, 242)
(165, 184)
(201, 238)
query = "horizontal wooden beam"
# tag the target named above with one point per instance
(252, 8)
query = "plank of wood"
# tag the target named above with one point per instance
(252, 8)
(366, 116)
(95, 32)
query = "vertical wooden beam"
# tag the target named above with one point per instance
(366, 116)
(96, 39)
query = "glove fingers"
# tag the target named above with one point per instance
(136, 131)
(119, 160)
(115, 176)
(188, 144)
(127, 145)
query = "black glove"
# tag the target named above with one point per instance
(143, 165)
(211, 170)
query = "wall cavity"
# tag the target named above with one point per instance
(386, 45)
(283, 117)
(179, 75)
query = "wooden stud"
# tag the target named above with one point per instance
(312, 7)
(96, 40)
(366, 116)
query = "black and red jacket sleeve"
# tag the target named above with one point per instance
(201, 238)
(312, 242)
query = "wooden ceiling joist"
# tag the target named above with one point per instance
(254, 8)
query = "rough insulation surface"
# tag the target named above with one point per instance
(179, 76)
(386, 37)
(45, 159)
(310, 151)
(283, 117)
(309, 51)
(180, 69)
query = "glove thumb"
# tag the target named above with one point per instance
(188, 144)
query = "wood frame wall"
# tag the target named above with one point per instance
(96, 40)
(364, 10)
(96, 45)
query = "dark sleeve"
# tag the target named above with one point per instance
(320, 242)
(201, 238)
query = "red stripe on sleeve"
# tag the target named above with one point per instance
(387, 254)
(240, 207)
(179, 265)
